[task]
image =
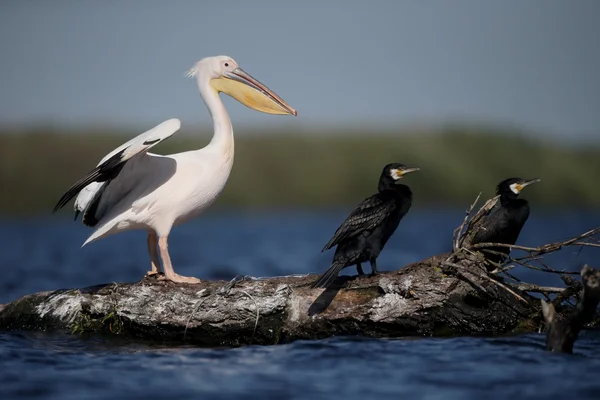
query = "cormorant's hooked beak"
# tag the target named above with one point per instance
(524, 184)
(409, 170)
(400, 172)
(251, 93)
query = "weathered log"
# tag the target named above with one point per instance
(438, 296)
(562, 330)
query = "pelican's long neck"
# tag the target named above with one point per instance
(223, 131)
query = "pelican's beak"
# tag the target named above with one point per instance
(250, 92)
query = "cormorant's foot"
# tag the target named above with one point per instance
(179, 279)
(373, 273)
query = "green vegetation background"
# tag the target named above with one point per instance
(303, 170)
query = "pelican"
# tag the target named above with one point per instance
(132, 189)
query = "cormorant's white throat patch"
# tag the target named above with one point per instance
(516, 188)
(395, 174)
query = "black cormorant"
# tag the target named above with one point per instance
(365, 232)
(505, 224)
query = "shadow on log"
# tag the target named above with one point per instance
(421, 299)
(562, 331)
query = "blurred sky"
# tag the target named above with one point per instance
(530, 64)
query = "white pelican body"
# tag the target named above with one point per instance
(133, 189)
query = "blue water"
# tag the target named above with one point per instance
(45, 254)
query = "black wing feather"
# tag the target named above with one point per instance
(493, 228)
(89, 215)
(106, 171)
(368, 215)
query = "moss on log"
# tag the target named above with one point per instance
(421, 299)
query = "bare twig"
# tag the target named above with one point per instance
(545, 269)
(530, 287)
(458, 232)
(198, 304)
(586, 244)
(257, 314)
(475, 223)
(547, 248)
(505, 270)
(484, 276)
(535, 253)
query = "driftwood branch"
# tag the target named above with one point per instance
(448, 294)
(462, 243)
(562, 332)
(417, 300)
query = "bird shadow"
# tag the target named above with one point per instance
(94, 289)
(326, 297)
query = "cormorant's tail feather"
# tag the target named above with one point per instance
(329, 276)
